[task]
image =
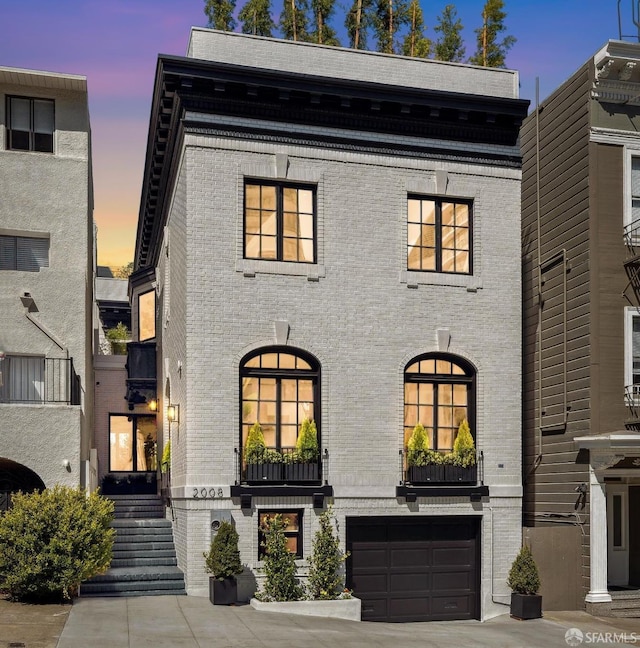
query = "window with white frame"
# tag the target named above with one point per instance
(632, 353)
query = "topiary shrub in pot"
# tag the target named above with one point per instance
(460, 465)
(423, 464)
(524, 582)
(302, 463)
(262, 463)
(223, 562)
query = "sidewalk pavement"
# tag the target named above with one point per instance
(192, 622)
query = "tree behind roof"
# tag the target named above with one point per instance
(294, 21)
(220, 14)
(255, 18)
(449, 46)
(415, 42)
(490, 51)
(388, 17)
(358, 21)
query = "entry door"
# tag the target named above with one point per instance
(617, 535)
(634, 535)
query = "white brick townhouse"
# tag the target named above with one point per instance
(333, 236)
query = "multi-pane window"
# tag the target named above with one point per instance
(279, 221)
(30, 124)
(132, 443)
(635, 191)
(292, 531)
(26, 253)
(279, 391)
(438, 235)
(438, 393)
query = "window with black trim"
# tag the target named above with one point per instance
(25, 253)
(132, 443)
(439, 393)
(147, 315)
(292, 531)
(439, 235)
(280, 389)
(279, 221)
(30, 124)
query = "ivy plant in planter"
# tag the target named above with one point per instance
(460, 465)
(263, 464)
(423, 464)
(223, 562)
(524, 582)
(302, 463)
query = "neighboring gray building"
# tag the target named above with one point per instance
(334, 235)
(46, 281)
(581, 255)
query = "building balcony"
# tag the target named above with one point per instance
(632, 263)
(36, 380)
(632, 401)
(279, 466)
(141, 372)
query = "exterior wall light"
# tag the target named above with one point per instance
(173, 413)
(153, 405)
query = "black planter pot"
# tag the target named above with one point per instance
(264, 472)
(300, 472)
(526, 606)
(433, 473)
(223, 592)
(459, 474)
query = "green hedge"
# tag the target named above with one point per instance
(53, 540)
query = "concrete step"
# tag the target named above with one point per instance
(625, 604)
(149, 535)
(142, 512)
(130, 593)
(167, 552)
(124, 524)
(145, 561)
(144, 547)
(138, 574)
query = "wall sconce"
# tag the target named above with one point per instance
(173, 413)
(153, 405)
(66, 465)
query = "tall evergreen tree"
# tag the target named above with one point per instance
(490, 51)
(321, 11)
(220, 14)
(255, 18)
(415, 43)
(294, 21)
(357, 22)
(388, 17)
(449, 46)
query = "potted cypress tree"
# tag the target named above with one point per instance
(302, 463)
(263, 464)
(223, 562)
(460, 465)
(423, 464)
(524, 582)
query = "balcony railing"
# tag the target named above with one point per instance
(31, 379)
(279, 466)
(141, 372)
(443, 473)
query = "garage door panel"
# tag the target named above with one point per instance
(373, 583)
(419, 569)
(369, 557)
(453, 556)
(407, 556)
(447, 581)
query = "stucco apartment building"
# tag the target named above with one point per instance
(580, 199)
(334, 235)
(46, 275)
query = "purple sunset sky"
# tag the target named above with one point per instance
(115, 43)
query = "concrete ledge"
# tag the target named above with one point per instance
(349, 609)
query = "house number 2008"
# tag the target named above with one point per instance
(204, 493)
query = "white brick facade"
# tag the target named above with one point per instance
(357, 310)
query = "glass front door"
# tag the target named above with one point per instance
(132, 443)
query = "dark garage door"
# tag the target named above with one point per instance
(415, 569)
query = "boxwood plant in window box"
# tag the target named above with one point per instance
(223, 562)
(524, 582)
(460, 465)
(302, 463)
(423, 464)
(263, 464)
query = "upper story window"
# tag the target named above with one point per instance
(439, 394)
(147, 316)
(30, 124)
(279, 391)
(279, 221)
(439, 236)
(26, 253)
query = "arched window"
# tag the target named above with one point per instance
(280, 388)
(439, 393)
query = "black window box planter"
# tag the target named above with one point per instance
(300, 472)
(264, 472)
(442, 474)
